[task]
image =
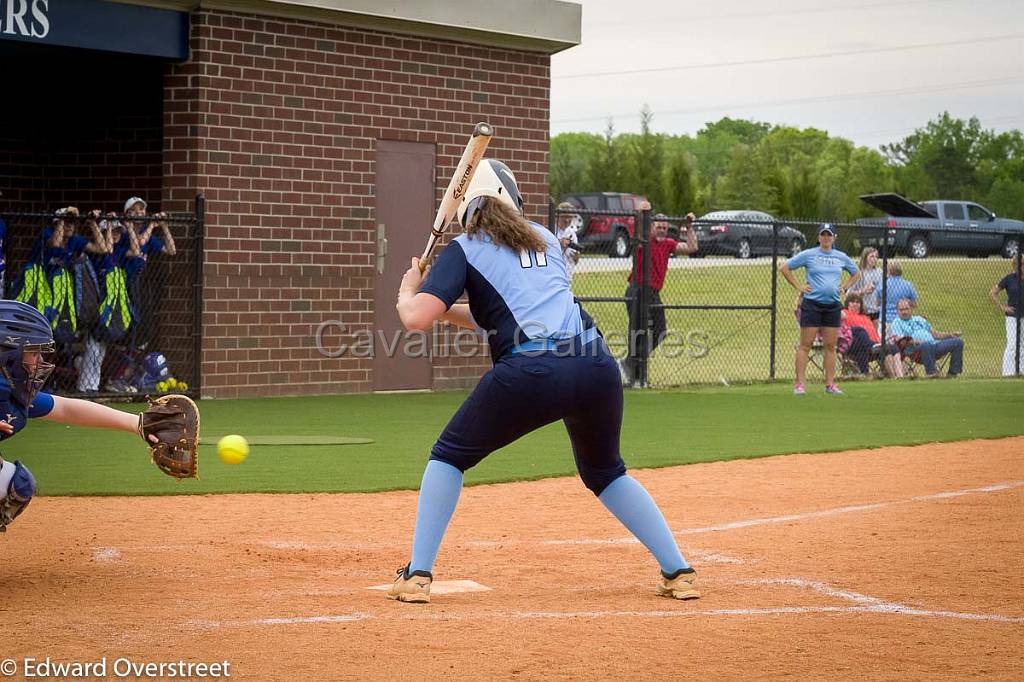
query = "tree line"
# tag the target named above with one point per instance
(792, 172)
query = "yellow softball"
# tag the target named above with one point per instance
(232, 449)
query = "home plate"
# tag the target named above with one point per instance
(446, 587)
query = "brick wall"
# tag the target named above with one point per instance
(276, 121)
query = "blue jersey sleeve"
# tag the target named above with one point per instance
(799, 260)
(154, 245)
(849, 265)
(42, 405)
(76, 245)
(447, 278)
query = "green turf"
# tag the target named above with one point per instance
(954, 296)
(661, 428)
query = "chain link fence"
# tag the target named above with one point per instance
(724, 314)
(122, 294)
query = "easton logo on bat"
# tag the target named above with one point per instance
(461, 189)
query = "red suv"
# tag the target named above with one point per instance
(612, 234)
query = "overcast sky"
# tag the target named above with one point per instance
(777, 62)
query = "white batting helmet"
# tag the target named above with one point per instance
(492, 179)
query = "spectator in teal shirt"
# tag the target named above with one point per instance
(932, 344)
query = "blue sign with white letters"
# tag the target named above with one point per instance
(97, 25)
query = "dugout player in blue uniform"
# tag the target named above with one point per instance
(550, 364)
(26, 344)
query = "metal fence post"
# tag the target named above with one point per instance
(775, 298)
(1018, 309)
(645, 298)
(883, 303)
(197, 305)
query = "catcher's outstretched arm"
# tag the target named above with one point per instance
(76, 412)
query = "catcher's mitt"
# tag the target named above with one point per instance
(174, 420)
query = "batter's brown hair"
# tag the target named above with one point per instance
(506, 227)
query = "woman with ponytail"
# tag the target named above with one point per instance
(548, 355)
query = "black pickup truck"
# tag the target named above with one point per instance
(920, 229)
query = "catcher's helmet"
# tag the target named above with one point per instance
(23, 329)
(492, 179)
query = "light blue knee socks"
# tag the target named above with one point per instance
(632, 505)
(626, 498)
(439, 494)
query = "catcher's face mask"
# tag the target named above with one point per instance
(28, 376)
(26, 347)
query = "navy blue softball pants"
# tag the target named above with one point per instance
(524, 392)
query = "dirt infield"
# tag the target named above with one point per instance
(896, 563)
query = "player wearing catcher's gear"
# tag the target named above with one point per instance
(550, 364)
(26, 344)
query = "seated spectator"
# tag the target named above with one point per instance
(931, 344)
(865, 339)
(897, 289)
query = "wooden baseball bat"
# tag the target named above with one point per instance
(471, 157)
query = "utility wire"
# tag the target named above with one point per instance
(918, 90)
(987, 120)
(792, 58)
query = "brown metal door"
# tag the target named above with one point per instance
(405, 211)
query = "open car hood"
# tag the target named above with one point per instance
(896, 205)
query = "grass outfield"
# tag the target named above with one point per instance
(662, 428)
(953, 291)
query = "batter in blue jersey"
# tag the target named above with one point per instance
(820, 309)
(550, 364)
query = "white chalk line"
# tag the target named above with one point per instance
(106, 554)
(787, 518)
(881, 609)
(864, 604)
(876, 605)
(111, 554)
(295, 620)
